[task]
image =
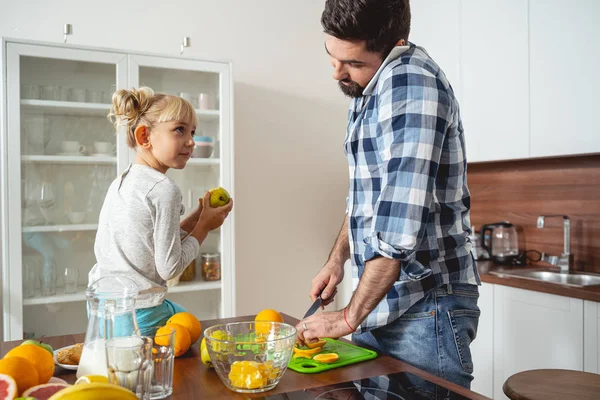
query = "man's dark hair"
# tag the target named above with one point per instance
(380, 22)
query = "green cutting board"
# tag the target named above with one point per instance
(349, 354)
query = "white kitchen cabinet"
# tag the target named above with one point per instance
(60, 154)
(534, 330)
(494, 91)
(564, 81)
(482, 348)
(591, 337)
(435, 27)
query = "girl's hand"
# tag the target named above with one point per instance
(212, 217)
(198, 210)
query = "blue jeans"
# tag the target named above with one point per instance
(433, 335)
(157, 316)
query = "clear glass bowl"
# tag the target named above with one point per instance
(250, 357)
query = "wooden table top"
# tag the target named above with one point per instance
(552, 384)
(193, 380)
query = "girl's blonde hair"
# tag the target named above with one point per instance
(142, 106)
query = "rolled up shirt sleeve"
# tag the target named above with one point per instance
(412, 122)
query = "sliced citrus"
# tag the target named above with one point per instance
(8, 387)
(92, 379)
(317, 343)
(308, 353)
(326, 358)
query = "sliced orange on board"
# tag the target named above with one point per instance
(326, 358)
(315, 344)
(306, 353)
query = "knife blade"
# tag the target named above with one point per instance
(315, 306)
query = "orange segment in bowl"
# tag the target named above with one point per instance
(251, 374)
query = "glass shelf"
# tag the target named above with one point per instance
(52, 107)
(69, 159)
(60, 228)
(208, 115)
(182, 287)
(203, 161)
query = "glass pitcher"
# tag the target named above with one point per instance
(111, 310)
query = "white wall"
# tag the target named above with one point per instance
(290, 119)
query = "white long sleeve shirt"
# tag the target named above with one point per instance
(139, 235)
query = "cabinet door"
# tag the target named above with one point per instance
(435, 27)
(535, 330)
(591, 337)
(61, 156)
(482, 348)
(564, 61)
(494, 79)
(207, 85)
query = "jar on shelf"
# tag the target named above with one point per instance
(211, 266)
(189, 273)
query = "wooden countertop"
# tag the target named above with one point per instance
(194, 380)
(591, 293)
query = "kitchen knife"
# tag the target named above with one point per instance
(315, 306)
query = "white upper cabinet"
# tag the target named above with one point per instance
(494, 90)
(435, 27)
(564, 80)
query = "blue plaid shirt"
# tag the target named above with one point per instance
(408, 197)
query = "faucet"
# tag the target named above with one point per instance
(565, 260)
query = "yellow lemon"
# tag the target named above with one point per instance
(92, 379)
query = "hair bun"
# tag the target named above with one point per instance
(129, 105)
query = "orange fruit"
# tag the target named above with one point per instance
(316, 343)
(326, 358)
(162, 338)
(307, 353)
(267, 315)
(188, 321)
(41, 358)
(182, 339)
(21, 370)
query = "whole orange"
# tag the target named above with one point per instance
(162, 337)
(21, 370)
(188, 321)
(267, 315)
(182, 339)
(41, 358)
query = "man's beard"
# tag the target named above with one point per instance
(351, 89)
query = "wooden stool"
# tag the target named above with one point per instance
(551, 384)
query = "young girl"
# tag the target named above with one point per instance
(139, 234)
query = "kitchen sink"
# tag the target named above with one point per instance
(572, 279)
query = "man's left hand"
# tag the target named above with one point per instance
(323, 325)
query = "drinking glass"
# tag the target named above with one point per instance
(71, 279)
(163, 358)
(48, 278)
(46, 199)
(30, 278)
(129, 362)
